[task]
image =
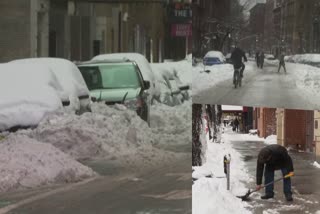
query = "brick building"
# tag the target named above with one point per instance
(265, 121)
(295, 128)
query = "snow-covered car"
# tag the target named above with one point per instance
(143, 65)
(26, 97)
(174, 93)
(69, 78)
(214, 58)
(118, 82)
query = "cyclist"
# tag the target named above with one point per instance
(236, 58)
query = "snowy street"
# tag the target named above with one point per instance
(166, 190)
(244, 149)
(298, 88)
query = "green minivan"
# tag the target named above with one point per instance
(118, 82)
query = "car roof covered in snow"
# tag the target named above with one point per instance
(216, 54)
(67, 73)
(25, 97)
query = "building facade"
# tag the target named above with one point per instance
(79, 30)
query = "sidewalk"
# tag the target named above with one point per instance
(305, 183)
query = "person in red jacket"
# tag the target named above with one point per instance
(271, 158)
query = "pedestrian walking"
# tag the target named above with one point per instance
(257, 59)
(271, 158)
(261, 59)
(282, 63)
(236, 124)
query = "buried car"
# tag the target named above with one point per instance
(27, 97)
(118, 82)
(69, 77)
(143, 65)
(214, 58)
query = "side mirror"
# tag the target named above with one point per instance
(184, 87)
(146, 85)
(93, 99)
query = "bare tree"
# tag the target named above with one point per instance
(196, 131)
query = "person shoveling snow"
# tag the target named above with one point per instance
(271, 158)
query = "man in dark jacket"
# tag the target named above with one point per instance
(236, 58)
(261, 56)
(271, 158)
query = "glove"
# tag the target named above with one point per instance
(258, 187)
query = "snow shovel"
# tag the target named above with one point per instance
(246, 196)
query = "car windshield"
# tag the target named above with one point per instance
(212, 60)
(111, 76)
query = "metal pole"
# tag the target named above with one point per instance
(226, 164)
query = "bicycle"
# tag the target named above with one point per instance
(237, 79)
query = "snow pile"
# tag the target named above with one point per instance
(27, 163)
(253, 132)
(181, 69)
(216, 54)
(272, 139)
(219, 74)
(209, 195)
(116, 134)
(309, 59)
(27, 94)
(316, 164)
(307, 78)
(172, 125)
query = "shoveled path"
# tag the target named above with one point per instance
(305, 183)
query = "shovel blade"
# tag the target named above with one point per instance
(246, 196)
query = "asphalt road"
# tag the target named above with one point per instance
(264, 87)
(305, 183)
(166, 189)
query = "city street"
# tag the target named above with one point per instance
(165, 190)
(305, 183)
(262, 87)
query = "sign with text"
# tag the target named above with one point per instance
(180, 13)
(181, 30)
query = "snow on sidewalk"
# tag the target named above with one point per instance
(27, 163)
(209, 195)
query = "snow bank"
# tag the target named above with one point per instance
(209, 195)
(27, 94)
(202, 80)
(27, 163)
(316, 164)
(272, 139)
(172, 125)
(309, 59)
(111, 133)
(218, 74)
(181, 69)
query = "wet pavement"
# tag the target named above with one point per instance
(305, 183)
(165, 190)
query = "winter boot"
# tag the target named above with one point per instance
(266, 197)
(289, 197)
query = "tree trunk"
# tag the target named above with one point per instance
(196, 130)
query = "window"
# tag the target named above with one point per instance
(316, 124)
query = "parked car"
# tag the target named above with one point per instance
(144, 67)
(173, 92)
(27, 93)
(118, 82)
(69, 77)
(214, 58)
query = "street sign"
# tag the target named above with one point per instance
(181, 30)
